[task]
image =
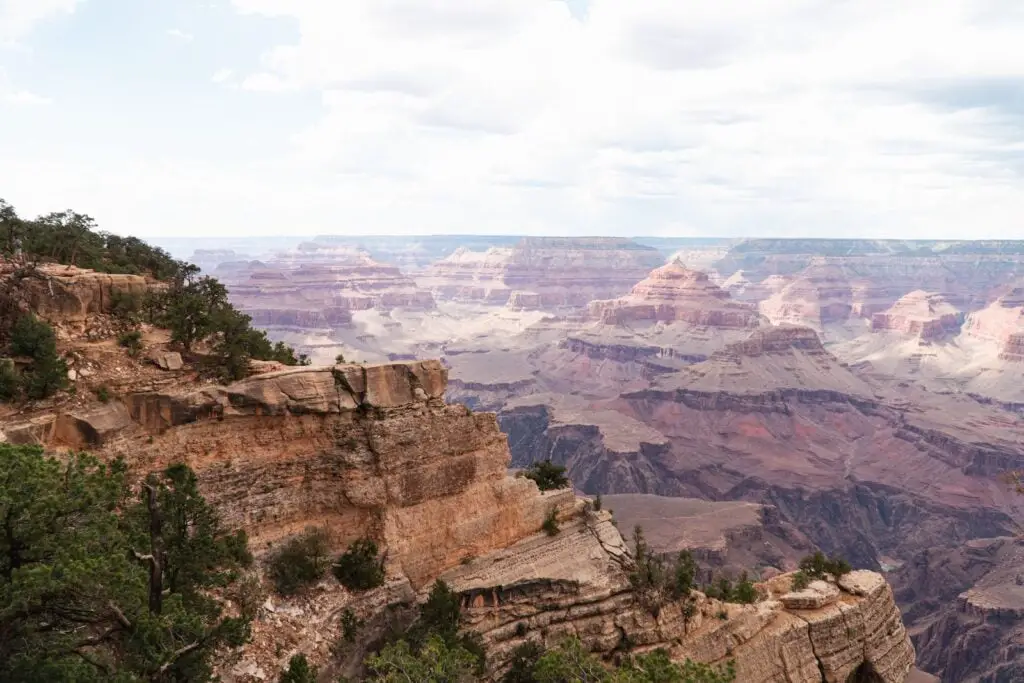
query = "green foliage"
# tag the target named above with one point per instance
(745, 592)
(818, 566)
(359, 567)
(547, 475)
(10, 381)
(72, 238)
(339, 359)
(131, 340)
(300, 562)
(47, 373)
(299, 671)
(801, 580)
(103, 394)
(437, 661)
(96, 588)
(350, 625)
(654, 580)
(524, 661)
(550, 525)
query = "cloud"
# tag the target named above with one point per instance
(25, 97)
(780, 117)
(19, 17)
(222, 75)
(180, 35)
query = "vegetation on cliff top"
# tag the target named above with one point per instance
(99, 585)
(547, 475)
(195, 309)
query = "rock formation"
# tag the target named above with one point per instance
(1001, 323)
(815, 297)
(673, 293)
(66, 295)
(317, 287)
(919, 314)
(543, 272)
(577, 584)
(967, 618)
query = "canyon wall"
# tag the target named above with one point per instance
(543, 272)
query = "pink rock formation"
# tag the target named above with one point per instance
(819, 295)
(1002, 323)
(319, 287)
(919, 314)
(674, 293)
(543, 272)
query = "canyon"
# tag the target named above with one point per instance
(749, 403)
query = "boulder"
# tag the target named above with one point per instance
(817, 595)
(166, 360)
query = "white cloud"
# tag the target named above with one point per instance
(222, 75)
(19, 17)
(180, 35)
(25, 97)
(770, 117)
(784, 115)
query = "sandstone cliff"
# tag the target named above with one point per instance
(70, 296)
(919, 314)
(1001, 323)
(673, 293)
(318, 287)
(577, 584)
(543, 272)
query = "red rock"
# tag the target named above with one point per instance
(674, 293)
(317, 287)
(919, 314)
(543, 272)
(1002, 323)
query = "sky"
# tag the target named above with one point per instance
(826, 118)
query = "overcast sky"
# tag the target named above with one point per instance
(875, 118)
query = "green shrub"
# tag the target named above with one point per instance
(817, 566)
(32, 337)
(131, 340)
(10, 381)
(299, 671)
(103, 394)
(745, 592)
(547, 475)
(801, 580)
(550, 526)
(301, 561)
(350, 625)
(359, 567)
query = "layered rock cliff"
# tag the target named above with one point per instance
(1001, 323)
(318, 287)
(673, 293)
(919, 314)
(66, 295)
(543, 272)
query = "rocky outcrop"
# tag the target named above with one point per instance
(967, 619)
(318, 287)
(921, 314)
(70, 296)
(816, 297)
(543, 272)
(673, 293)
(1001, 323)
(576, 583)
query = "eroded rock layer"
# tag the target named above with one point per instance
(673, 293)
(543, 272)
(577, 583)
(919, 314)
(1001, 323)
(318, 287)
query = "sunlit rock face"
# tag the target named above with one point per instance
(926, 315)
(317, 287)
(674, 293)
(1001, 323)
(543, 272)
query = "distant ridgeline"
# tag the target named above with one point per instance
(195, 309)
(869, 247)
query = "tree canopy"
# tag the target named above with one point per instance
(99, 585)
